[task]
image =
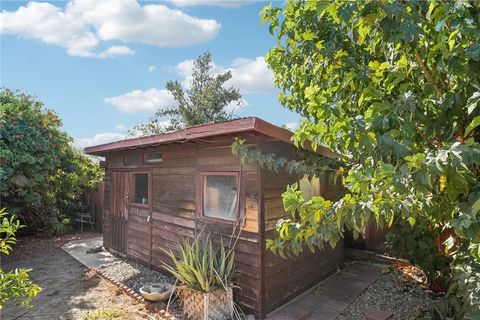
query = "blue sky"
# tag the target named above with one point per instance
(102, 65)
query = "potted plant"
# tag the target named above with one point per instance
(206, 277)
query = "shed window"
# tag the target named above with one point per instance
(310, 187)
(220, 195)
(155, 157)
(132, 160)
(140, 188)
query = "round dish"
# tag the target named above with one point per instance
(157, 291)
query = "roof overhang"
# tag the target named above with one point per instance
(202, 132)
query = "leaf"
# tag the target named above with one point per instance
(473, 52)
(472, 102)
(451, 38)
(412, 221)
(475, 123)
(309, 35)
(476, 207)
(332, 11)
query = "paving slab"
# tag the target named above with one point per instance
(330, 297)
(78, 249)
(376, 314)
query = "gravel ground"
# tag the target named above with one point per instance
(135, 276)
(391, 293)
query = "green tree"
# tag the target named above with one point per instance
(204, 101)
(42, 177)
(15, 285)
(393, 87)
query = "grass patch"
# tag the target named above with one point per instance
(103, 314)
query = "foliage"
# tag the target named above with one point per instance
(205, 100)
(310, 164)
(393, 87)
(42, 177)
(200, 267)
(14, 285)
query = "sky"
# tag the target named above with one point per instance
(103, 65)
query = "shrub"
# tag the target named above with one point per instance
(15, 285)
(42, 177)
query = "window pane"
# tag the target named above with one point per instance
(220, 197)
(132, 160)
(310, 188)
(141, 188)
(154, 157)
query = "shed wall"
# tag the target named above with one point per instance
(287, 278)
(174, 209)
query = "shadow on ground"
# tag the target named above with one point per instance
(70, 290)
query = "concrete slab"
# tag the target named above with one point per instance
(330, 297)
(376, 314)
(78, 249)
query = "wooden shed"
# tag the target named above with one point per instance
(163, 187)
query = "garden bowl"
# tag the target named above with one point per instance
(157, 291)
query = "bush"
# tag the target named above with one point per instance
(15, 285)
(42, 177)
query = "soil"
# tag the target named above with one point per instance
(70, 290)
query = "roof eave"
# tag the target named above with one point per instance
(207, 131)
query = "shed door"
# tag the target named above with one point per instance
(139, 214)
(119, 212)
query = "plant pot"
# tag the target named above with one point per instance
(213, 305)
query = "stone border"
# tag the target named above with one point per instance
(164, 315)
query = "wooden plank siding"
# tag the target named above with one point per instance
(287, 278)
(174, 212)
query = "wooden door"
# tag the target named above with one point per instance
(119, 212)
(139, 217)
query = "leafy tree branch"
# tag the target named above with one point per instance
(204, 100)
(404, 122)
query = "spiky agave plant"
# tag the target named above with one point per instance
(201, 267)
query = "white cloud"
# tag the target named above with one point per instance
(292, 126)
(142, 101)
(249, 76)
(120, 127)
(84, 25)
(219, 3)
(151, 68)
(48, 23)
(116, 51)
(154, 24)
(235, 106)
(100, 138)
(185, 69)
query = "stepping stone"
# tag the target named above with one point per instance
(375, 314)
(289, 312)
